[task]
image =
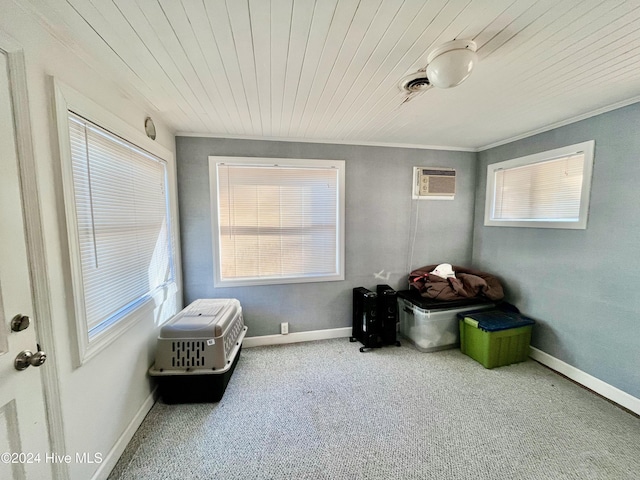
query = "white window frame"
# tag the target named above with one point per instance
(169, 300)
(284, 162)
(587, 148)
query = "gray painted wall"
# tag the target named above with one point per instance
(381, 220)
(580, 285)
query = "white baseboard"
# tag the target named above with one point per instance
(602, 388)
(110, 460)
(297, 337)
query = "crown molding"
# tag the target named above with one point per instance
(327, 141)
(562, 123)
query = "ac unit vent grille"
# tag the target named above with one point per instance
(441, 185)
(434, 183)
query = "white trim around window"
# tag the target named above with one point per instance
(545, 190)
(165, 300)
(277, 220)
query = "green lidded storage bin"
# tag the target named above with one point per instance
(495, 338)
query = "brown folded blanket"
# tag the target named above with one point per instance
(467, 283)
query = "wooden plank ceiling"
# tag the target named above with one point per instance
(329, 70)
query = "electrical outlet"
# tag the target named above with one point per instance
(284, 328)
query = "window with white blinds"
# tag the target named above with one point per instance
(549, 189)
(122, 223)
(277, 220)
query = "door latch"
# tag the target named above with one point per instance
(26, 358)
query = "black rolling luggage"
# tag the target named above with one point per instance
(388, 314)
(366, 328)
(375, 317)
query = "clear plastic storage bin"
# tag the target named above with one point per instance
(433, 328)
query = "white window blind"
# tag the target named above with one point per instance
(278, 223)
(122, 218)
(548, 190)
(544, 190)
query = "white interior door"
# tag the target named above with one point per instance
(23, 430)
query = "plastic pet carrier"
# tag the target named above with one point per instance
(198, 350)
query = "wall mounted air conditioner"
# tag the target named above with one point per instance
(433, 183)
